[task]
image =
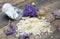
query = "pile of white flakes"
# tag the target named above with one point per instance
(32, 25)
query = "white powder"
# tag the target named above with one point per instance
(33, 25)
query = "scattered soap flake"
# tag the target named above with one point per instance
(33, 25)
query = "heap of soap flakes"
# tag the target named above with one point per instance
(32, 25)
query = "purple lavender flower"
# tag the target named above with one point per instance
(20, 36)
(29, 10)
(12, 26)
(26, 35)
(8, 32)
(11, 30)
(54, 13)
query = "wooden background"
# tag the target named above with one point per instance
(17, 3)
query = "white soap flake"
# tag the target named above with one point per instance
(33, 25)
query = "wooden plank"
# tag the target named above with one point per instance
(23, 3)
(16, 1)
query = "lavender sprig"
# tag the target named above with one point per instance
(26, 35)
(11, 30)
(56, 15)
(29, 10)
(8, 32)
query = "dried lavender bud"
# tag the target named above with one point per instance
(11, 30)
(54, 12)
(8, 32)
(26, 35)
(29, 10)
(12, 26)
(20, 36)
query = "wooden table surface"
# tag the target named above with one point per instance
(49, 16)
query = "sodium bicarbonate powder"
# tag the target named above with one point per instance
(32, 25)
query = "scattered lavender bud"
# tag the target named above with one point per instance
(8, 32)
(11, 25)
(11, 30)
(26, 35)
(20, 36)
(54, 13)
(29, 10)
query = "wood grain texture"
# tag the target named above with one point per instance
(4, 19)
(54, 24)
(17, 3)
